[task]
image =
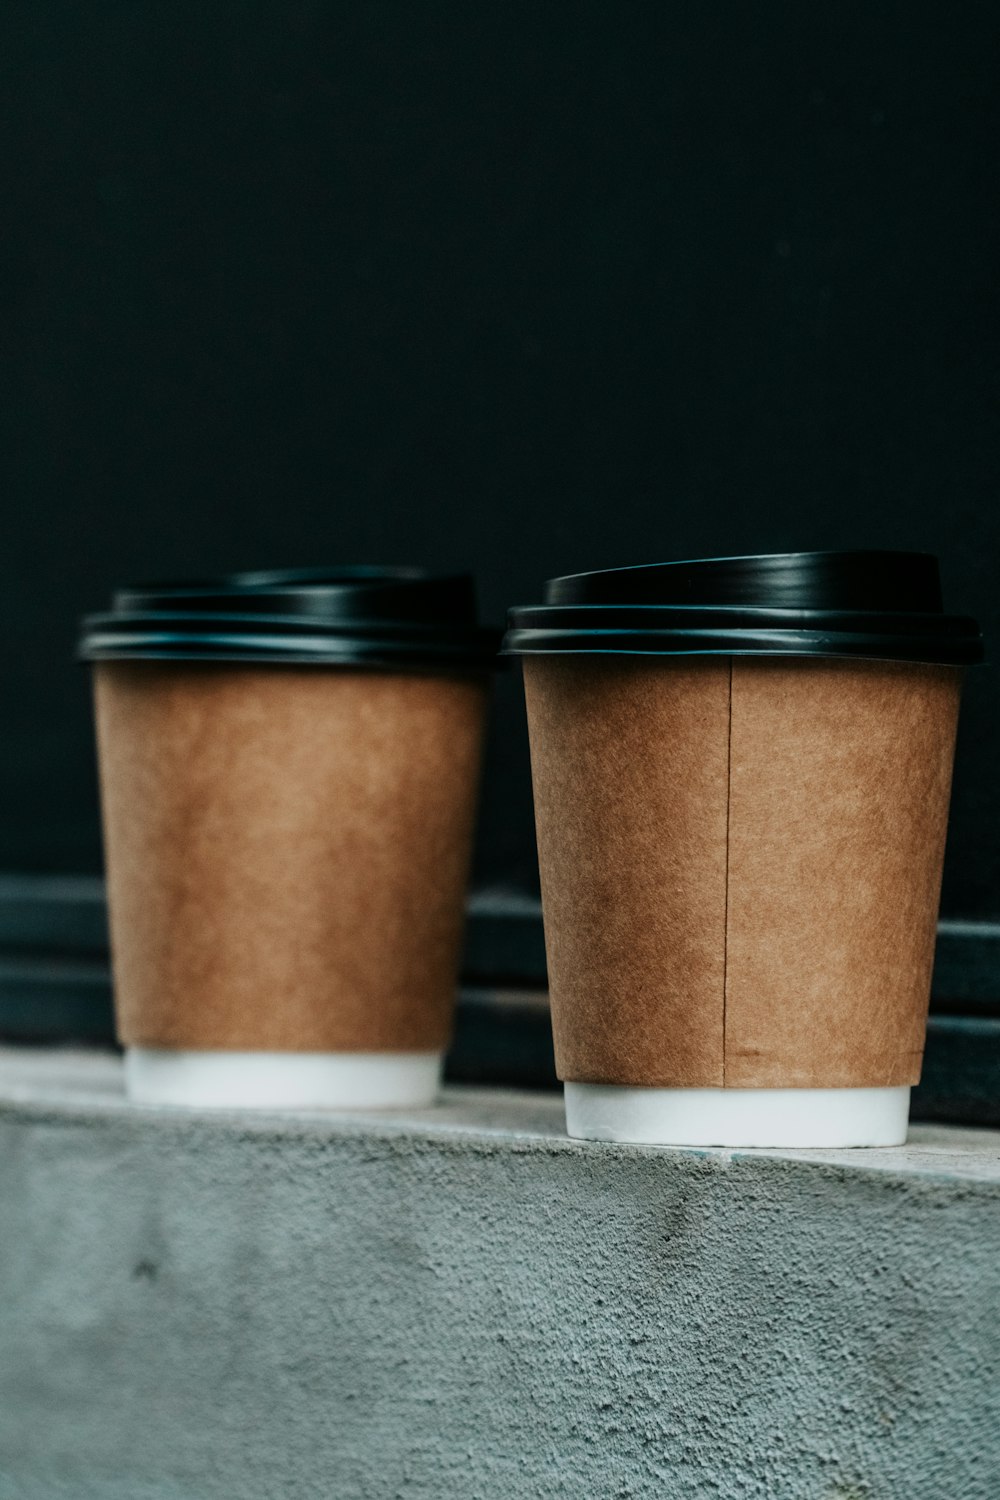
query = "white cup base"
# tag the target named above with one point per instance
(282, 1080)
(737, 1117)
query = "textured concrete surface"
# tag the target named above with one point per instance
(462, 1303)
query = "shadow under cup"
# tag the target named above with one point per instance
(289, 770)
(742, 771)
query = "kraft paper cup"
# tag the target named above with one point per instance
(742, 771)
(289, 767)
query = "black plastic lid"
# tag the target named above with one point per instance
(885, 605)
(365, 617)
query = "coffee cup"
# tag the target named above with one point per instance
(289, 766)
(742, 770)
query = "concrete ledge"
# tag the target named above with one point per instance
(460, 1302)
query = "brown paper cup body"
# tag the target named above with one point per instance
(287, 853)
(741, 865)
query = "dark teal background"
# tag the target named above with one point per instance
(528, 288)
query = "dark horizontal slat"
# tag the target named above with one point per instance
(41, 915)
(961, 1077)
(503, 1037)
(53, 914)
(52, 1000)
(504, 939)
(967, 967)
(65, 915)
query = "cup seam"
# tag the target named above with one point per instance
(725, 933)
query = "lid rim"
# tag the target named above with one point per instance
(238, 647)
(948, 651)
(403, 615)
(880, 604)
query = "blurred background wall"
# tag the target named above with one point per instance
(526, 289)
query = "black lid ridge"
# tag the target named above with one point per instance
(403, 618)
(880, 605)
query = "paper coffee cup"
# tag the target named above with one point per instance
(742, 772)
(289, 767)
